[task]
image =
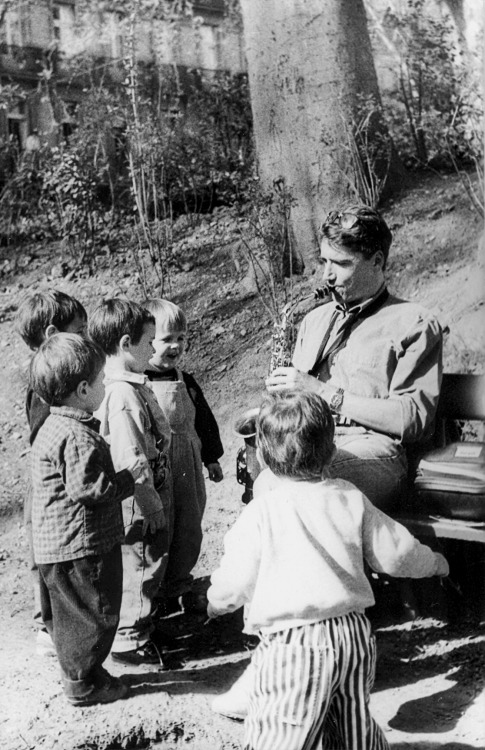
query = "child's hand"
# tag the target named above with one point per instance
(442, 567)
(211, 612)
(154, 522)
(215, 472)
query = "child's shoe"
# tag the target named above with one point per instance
(44, 645)
(148, 653)
(194, 601)
(170, 605)
(111, 690)
(234, 703)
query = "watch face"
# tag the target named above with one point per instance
(336, 400)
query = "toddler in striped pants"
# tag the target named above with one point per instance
(295, 559)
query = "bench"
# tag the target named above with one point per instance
(462, 397)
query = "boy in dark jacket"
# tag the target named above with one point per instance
(39, 316)
(195, 443)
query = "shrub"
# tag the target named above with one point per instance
(429, 79)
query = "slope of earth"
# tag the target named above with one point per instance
(429, 691)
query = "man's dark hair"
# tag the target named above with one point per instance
(114, 318)
(42, 309)
(295, 432)
(358, 228)
(62, 362)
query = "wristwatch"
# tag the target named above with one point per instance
(336, 400)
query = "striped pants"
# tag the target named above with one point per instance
(311, 689)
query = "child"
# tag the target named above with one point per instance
(139, 438)
(76, 518)
(39, 316)
(195, 441)
(296, 557)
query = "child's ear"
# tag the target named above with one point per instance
(125, 342)
(82, 389)
(50, 331)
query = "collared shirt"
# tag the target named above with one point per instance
(343, 318)
(137, 432)
(76, 492)
(395, 352)
(295, 535)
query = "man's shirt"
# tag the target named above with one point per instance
(395, 352)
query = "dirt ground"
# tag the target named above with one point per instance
(430, 687)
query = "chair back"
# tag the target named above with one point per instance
(462, 396)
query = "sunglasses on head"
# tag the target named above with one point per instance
(345, 220)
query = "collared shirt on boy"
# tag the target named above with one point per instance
(136, 430)
(76, 492)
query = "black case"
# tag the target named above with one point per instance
(451, 481)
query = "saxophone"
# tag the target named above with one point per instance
(284, 331)
(282, 341)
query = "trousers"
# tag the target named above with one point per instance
(80, 602)
(375, 463)
(311, 688)
(145, 558)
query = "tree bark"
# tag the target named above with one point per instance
(308, 62)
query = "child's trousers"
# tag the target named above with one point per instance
(80, 602)
(312, 688)
(145, 558)
(37, 614)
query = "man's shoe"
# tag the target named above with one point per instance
(44, 645)
(234, 704)
(110, 691)
(149, 653)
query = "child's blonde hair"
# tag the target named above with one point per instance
(167, 313)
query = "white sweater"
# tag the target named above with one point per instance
(296, 555)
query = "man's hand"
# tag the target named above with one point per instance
(154, 522)
(215, 472)
(286, 378)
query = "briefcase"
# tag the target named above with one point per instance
(450, 481)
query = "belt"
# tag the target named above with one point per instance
(341, 421)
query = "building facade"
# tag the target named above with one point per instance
(41, 39)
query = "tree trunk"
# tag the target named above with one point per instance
(308, 63)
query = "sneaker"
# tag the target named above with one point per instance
(149, 653)
(234, 703)
(110, 691)
(44, 645)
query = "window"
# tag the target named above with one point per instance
(17, 126)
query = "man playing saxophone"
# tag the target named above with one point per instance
(376, 359)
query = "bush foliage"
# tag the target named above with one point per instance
(149, 145)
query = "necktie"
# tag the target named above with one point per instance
(344, 332)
